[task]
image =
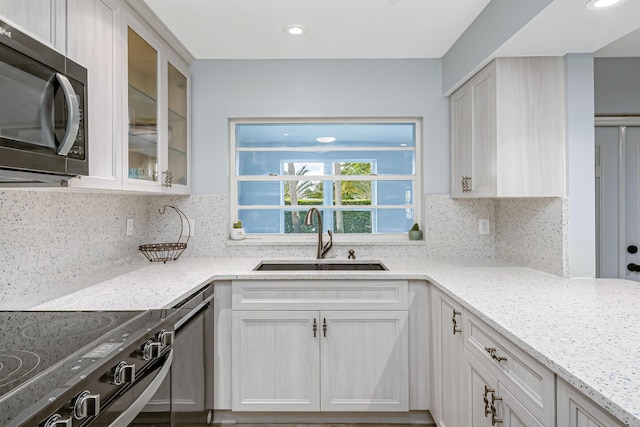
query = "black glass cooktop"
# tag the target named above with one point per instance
(43, 351)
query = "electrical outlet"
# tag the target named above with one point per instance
(129, 226)
(484, 226)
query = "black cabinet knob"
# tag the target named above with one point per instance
(632, 249)
(633, 267)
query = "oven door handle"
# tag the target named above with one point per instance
(136, 407)
(197, 310)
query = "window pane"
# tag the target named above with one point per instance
(352, 221)
(394, 220)
(276, 162)
(261, 220)
(278, 135)
(352, 192)
(259, 193)
(394, 193)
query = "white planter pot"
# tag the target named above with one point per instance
(237, 233)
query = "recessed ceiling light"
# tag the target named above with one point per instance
(295, 29)
(601, 4)
(326, 139)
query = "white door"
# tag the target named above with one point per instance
(275, 361)
(618, 202)
(364, 361)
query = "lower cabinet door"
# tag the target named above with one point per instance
(364, 361)
(575, 410)
(275, 361)
(511, 412)
(481, 387)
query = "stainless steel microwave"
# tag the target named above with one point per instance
(43, 126)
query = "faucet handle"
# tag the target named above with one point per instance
(327, 246)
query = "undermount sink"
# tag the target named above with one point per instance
(320, 265)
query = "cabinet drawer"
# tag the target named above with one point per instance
(530, 382)
(320, 295)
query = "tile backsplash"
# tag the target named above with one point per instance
(56, 242)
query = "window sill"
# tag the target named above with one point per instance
(340, 241)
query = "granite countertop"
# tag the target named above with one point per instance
(585, 330)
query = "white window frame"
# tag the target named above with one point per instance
(288, 238)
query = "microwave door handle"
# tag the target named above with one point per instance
(73, 115)
(46, 112)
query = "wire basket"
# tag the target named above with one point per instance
(163, 252)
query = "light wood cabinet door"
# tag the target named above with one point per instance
(507, 130)
(480, 386)
(512, 412)
(40, 19)
(275, 361)
(461, 145)
(575, 410)
(364, 361)
(94, 42)
(448, 368)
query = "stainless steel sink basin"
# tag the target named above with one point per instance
(320, 266)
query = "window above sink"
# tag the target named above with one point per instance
(363, 175)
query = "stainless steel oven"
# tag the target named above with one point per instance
(43, 137)
(72, 369)
(192, 371)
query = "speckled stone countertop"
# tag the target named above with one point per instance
(586, 330)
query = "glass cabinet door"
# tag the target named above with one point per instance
(143, 109)
(177, 125)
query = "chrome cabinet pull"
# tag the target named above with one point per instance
(315, 327)
(455, 323)
(487, 403)
(324, 327)
(494, 411)
(492, 353)
(168, 178)
(466, 184)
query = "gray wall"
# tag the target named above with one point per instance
(617, 85)
(225, 89)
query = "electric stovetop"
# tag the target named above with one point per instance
(41, 352)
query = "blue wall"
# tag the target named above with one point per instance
(224, 89)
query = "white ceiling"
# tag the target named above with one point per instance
(253, 29)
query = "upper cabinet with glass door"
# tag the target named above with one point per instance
(157, 155)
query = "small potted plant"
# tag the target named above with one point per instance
(415, 233)
(237, 232)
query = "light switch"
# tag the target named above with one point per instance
(129, 226)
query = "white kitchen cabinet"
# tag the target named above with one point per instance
(448, 342)
(531, 384)
(576, 410)
(138, 94)
(320, 361)
(325, 345)
(41, 19)
(94, 41)
(364, 361)
(490, 402)
(276, 361)
(156, 158)
(507, 127)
